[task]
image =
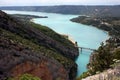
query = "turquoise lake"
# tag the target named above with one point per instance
(86, 36)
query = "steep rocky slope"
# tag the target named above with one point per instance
(110, 74)
(26, 47)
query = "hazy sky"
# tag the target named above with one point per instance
(57, 2)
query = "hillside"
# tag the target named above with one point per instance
(109, 24)
(26, 47)
(104, 62)
(72, 9)
(27, 17)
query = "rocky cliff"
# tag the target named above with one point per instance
(110, 74)
(26, 47)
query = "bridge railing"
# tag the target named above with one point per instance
(86, 48)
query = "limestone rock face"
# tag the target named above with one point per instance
(16, 60)
(110, 74)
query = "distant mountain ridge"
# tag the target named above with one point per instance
(108, 10)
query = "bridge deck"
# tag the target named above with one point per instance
(87, 48)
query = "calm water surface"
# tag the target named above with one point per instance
(86, 36)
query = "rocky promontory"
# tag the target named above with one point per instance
(26, 17)
(108, 23)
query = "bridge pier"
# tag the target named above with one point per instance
(81, 50)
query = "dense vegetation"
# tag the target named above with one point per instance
(25, 77)
(108, 23)
(107, 56)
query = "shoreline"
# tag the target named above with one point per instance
(67, 36)
(97, 22)
(92, 25)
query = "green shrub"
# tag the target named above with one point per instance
(25, 77)
(116, 54)
(28, 77)
(84, 75)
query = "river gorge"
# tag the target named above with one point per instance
(86, 36)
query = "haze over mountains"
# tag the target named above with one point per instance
(98, 10)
